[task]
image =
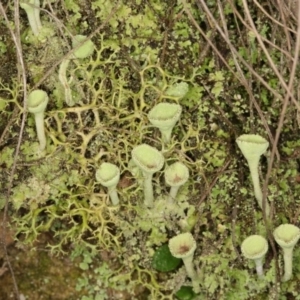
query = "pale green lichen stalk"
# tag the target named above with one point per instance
(287, 236)
(255, 247)
(176, 175)
(164, 116)
(252, 147)
(183, 246)
(149, 160)
(85, 50)
(36, 103)
(32, 8)
(109, 175)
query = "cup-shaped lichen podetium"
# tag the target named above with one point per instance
(149, 160)
(109, 175)
(176, 175)
(255, 247)
(164, 116)
(85, 50)
(32, 8)
(287, 236)
(252, 147)
(183, 246)
(36, 103)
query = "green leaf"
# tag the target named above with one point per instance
(193, 96)
(6, 157)
(185, 293)
(217, 89)
(83, 266)
(163, 260)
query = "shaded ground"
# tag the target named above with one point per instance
(38, 274)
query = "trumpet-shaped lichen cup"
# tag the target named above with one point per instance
(255, 247)
(252, 147)
(149, 160)
(109, 175)
(176, 175)
(85, 50)
(36, 103)
(164, 116)
(32, 8)
(183, 246)
(287, 236)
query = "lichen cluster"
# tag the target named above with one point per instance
(147, 53)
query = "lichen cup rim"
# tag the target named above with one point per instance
(170, 172)
(165, 114)
(254, 246)
(280, 235)
(108, 174)
(252, 144)
(147, 158)
(183, 241)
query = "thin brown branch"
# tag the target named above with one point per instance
(275, 21)
(242, 20)
(270, 60)
(278, 131)
(238, 56)
(22, 75)
(285, 27)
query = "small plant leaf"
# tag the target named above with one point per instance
(185, 293)
(163, 260)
